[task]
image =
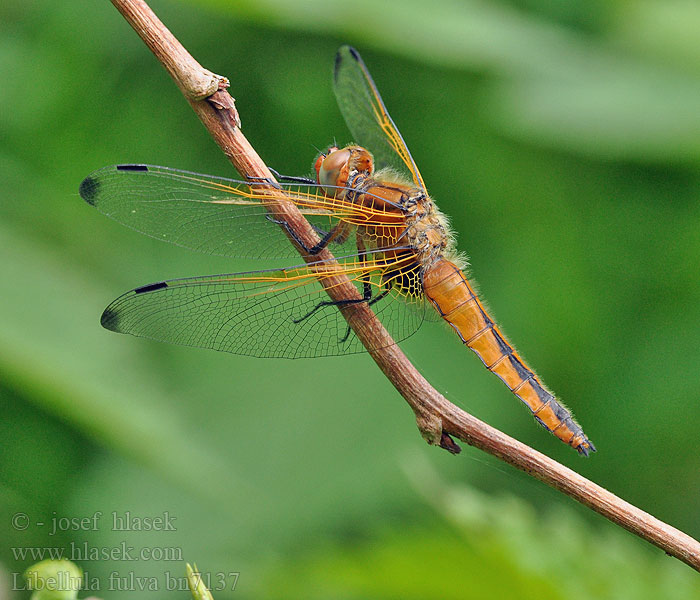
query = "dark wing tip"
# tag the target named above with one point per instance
(132, 167)
(339, 58)
(110, 319)
(88, 190)
(354, 53)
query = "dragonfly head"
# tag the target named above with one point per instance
(336, 166)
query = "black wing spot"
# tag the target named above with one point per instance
(151, 287)
(338, 58)
(88, 190)
(132, 168)
(110, 320)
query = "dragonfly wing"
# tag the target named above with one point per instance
(211, 214)
(262, 313)
(366, 116)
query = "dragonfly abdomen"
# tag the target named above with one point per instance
(449, 290)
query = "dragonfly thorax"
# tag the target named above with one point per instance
(412, 219)
(426, 229)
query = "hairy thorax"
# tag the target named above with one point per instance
(416, 222)
(403, 216)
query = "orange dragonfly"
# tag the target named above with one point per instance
(388, 237)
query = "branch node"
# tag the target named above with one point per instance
(202, 83)
(225, 106)
(430, 427)
(447, 443)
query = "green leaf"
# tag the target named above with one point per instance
(54, 580)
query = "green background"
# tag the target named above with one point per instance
(563, 139)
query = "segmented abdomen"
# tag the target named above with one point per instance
(448, 289)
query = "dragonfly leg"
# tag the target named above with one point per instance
(366, 297)
(292, 179)
(337, 232)
(264, 180)
(378, 297)
(280, 177)
(370, 302)
(366, 285)
(329, 303)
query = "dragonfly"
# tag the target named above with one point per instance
(369, 206)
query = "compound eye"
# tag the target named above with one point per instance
(329, 171)
(322, 157)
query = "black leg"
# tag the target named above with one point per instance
(370, 303)
(366, 287)
(292, 179)
(263, 180)
(329, 303)
(379, 297)
(366, 297)
(314, 250)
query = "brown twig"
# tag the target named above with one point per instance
(437, 418)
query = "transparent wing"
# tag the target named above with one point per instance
(211, 214)
(282, 313)
(366, 116)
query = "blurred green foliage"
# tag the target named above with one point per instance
(489, 546)
(563, 139)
